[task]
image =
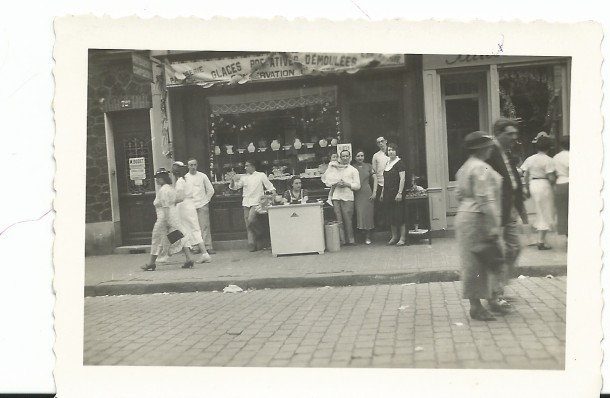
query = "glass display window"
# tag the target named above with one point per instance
(286, 133)
(535, 95)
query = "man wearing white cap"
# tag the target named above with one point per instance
(203, 190)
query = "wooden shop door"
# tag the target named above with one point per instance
(134, 167)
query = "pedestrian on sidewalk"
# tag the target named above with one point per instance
(562, 185)
(254, 184)
(343, 196)
(187, 212)
(393, 194)
(476, 222)
(364, 200)
(539, 180)
(167, 221)
(203, 190)
(501, 160)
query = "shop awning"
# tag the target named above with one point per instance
(272, 66)
(272, 100)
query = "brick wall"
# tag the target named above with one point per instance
(107, 79)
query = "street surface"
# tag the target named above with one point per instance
(412, 326)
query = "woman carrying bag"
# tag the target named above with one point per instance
(477, 226)
(166, 226)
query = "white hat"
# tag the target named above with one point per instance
(540, 135)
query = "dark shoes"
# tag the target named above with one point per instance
(481, 314)
(149, 267)
(500, 306)
(542, 246)
(211, 251)
(188, 264)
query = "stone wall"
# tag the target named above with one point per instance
(107, 78)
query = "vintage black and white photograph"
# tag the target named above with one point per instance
(268, 207)
(326, 209)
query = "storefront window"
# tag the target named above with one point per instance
(533, 96)
(287, 133)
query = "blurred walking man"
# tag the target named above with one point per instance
(501, 160)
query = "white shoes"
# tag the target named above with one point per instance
(163, 258)
(205, 258)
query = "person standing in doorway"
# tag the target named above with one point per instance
(203, 190)
(343, 197)
(506, 134)
(380, 160)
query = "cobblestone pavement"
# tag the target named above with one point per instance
(412, 326)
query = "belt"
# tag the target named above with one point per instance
(539, 178)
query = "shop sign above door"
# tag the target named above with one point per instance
(239, 70)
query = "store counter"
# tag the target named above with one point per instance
(296, 229)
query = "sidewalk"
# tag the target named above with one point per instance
(351, 266)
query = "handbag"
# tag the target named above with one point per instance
(489, 253)
(175, 236)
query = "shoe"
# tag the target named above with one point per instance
(400, 243)
(205, 258)
(211, 251)
(481, 314)
(500, 306)
(188, 264)
(252, 248)
(392, 242)
(149, 267)
(367, 242)
(542, 246)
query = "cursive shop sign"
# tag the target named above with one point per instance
(462, 60)
(239, 70)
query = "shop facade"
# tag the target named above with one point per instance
(289, 115)
(288, 112)
(465, 93)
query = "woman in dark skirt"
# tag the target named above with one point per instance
(392, 196)
(363, 198)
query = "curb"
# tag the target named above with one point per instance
(137, 288)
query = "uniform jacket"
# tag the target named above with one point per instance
(510, 198)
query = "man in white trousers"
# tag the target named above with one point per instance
(203, 190)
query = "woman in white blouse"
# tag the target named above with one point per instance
(562, 187)
(539, 180)
(167, 221)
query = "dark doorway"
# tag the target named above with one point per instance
(370, 120)
(134, 167)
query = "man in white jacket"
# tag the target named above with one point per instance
(203, 190)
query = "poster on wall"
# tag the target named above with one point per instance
(345, 147)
